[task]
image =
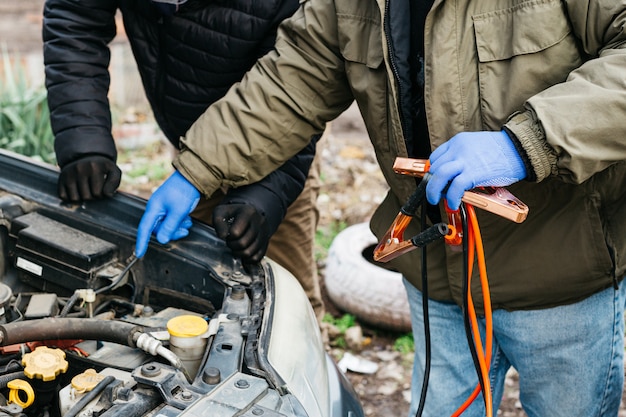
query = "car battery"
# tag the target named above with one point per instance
(52, 256)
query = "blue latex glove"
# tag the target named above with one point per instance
(472, 159)
(167, 212)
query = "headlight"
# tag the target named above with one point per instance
(295, 347)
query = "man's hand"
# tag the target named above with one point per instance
(244, 229)
(473, 159)
(89, 178)
(167, 212)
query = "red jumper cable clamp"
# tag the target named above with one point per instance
(497, 200)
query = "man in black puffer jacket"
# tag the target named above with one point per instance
(189, 53)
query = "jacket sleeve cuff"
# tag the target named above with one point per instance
(197, 172)
(528, 136)
(272, 195)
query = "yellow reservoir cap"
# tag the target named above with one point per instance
(187, 326)
(86, 381)
(44, 363)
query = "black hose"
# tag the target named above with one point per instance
(70, 303)
(68, 328)
(428, 354)
(89, 396)
(12, 366)
(8, 358)
(110, 304)
(5, 379)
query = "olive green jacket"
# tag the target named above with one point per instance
(553, 72)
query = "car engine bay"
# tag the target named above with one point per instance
(88, 330)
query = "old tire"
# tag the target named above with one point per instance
(356, 285)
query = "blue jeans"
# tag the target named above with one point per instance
(569, 358)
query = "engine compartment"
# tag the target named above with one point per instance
(87, 331)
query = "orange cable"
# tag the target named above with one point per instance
(482, 267)
(484, 357)
(470, 264)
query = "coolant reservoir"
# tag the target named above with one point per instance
(41, 366)
(85, 382)
(188, 338)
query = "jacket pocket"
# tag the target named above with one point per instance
(359, 38)
(360, 44)
(521, 51)
(557, 256)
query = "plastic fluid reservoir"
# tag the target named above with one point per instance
(188, 339)
(85, 382)
(41, 366)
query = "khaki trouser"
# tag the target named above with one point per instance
(293, 244)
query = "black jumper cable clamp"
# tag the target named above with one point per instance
(393, 244)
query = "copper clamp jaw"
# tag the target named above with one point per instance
(393, 244)
(497, 200)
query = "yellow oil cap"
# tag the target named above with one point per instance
(86, 381)
(44, 363)
(187, 326)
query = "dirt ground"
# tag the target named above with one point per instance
(352, 186)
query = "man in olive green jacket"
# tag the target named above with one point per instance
(529, 94)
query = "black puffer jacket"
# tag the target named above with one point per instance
(187, 61)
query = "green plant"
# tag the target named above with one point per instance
(144, 167)
(153, 171)
(404, 344)
(324, 237)
(24, 115)
(342, 324)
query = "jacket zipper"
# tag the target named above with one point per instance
(394, 68)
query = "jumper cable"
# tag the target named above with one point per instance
(393, 244)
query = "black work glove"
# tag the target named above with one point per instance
(244, 229)
(89, 178)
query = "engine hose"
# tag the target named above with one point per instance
(12, 366)
(5, 379)
(70, 304)
(61, 328)
(155, 347)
